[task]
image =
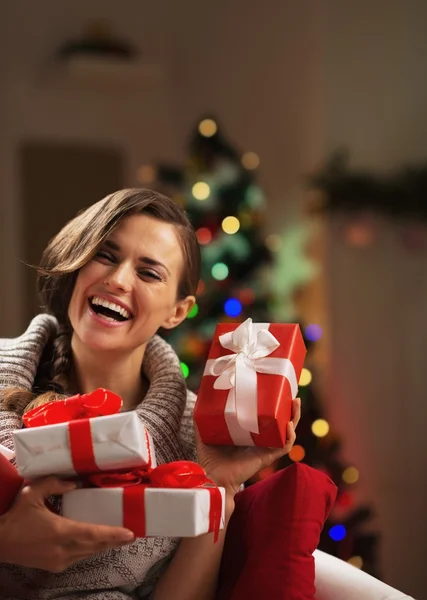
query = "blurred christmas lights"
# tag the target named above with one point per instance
(232, 307)
(313, 332)
(344, 500)
(193, 312)
(207, 127)
(350, 475)
(204, 235)
(305, 377)
(297, 453)
(337, 533)
(185, 370)
(247, 296)
(201, 190)
(359, 235)
(231, 225)
(320, 427)
(220, 271)
(356, 561)
(250, 161)
(146, 174)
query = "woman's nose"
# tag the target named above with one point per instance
(120, 277)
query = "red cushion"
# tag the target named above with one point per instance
(10, 484)
(272, 534)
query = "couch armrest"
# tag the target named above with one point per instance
(337, 580)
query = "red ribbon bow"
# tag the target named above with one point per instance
(181, 474)
(76, 411)
(99, 403)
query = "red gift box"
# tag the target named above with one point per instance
(250, 379)
(10, 483)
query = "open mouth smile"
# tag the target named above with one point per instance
(109, 311)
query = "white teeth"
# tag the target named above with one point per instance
(119, 309)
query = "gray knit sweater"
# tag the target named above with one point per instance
(130, 571)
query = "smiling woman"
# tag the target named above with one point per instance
(124, 295)
(114, 275)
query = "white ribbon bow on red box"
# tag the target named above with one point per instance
(251, 344)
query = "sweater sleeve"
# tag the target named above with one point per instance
(187, 428)
(9, 421)
(19, 360)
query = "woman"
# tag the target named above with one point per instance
(109, 280)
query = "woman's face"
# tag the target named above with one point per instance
(129, 289)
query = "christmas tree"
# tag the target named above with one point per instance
(247, 274)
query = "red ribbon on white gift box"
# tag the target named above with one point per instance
(77, 411)
(181, 474)
(251, 344)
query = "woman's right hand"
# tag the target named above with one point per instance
(33, 536)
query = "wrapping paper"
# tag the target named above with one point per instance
(147, 512)
(172, 500)
(111, 442)
(249, 382)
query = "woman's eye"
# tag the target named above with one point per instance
(149, 274)
(104, 255)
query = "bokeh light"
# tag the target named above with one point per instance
(344, 500)
(220, 271)
(201, 190)
(204, 235)
(320, 427)
(200, 287)
(185, 370)
(297, 453)
(194, 346)
(305, 377)
(247, 296)
(193, 312)
(232, 307)
(350, 475)
(146, 174)
(250, 161)
(313, 332)
(359, 235)
(208, 127)
(337, 533)
(231, 225)
(356, 561)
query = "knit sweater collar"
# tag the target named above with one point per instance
(162, 407)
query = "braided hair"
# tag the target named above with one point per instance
(72, 248)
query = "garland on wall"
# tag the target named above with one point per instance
(400, 195)
(366, 201)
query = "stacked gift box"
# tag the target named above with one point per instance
(245, 398)
(112, 458)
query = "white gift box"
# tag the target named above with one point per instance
(119, 441)
(168, 512)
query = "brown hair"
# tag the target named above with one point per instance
(72, 248)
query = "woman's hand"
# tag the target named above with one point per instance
(33, 536)
(230, 466)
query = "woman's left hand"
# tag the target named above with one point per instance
(230, 466)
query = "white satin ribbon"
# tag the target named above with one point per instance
(252, 343)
